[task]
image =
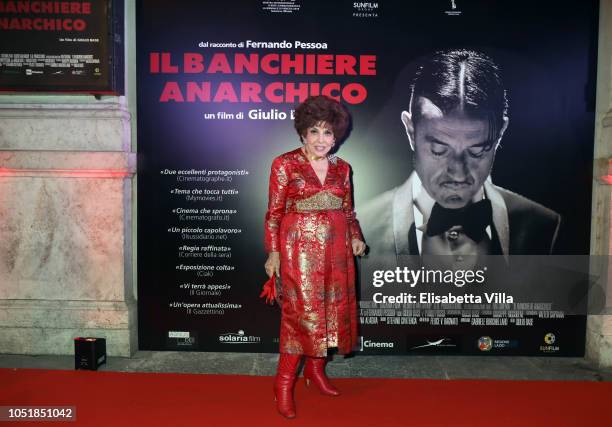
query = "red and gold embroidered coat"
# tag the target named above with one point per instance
(312, 225)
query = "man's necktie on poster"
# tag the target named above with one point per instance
(474, 219)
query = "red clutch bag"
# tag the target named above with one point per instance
(272, 291)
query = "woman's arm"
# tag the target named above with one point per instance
(351, 218)
(277, 197)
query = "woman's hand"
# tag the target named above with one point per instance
(272, 264)
(358, 247)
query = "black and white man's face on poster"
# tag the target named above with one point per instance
(454, 152)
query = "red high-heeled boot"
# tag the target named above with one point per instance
(284, 382)
(314, 370)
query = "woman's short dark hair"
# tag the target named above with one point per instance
(461, 79)
(320, 108)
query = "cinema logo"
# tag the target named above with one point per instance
(454, 10)
(238, 338)
(549, 340)
(365, 9)
(367, 344)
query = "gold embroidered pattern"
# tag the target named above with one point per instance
(321, 201)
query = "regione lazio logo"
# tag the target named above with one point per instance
(485, 343)
(238, 338)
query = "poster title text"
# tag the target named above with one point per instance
(272, 64)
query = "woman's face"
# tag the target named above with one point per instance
(319, 139)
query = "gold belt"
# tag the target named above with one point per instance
(320, 201)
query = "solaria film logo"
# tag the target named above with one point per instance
(238, 338)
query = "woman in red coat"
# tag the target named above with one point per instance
(311, 236)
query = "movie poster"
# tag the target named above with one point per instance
(58, 46)
(217, 89)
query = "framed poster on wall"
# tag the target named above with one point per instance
(61, 46)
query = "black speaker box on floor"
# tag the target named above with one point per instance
(89, 353)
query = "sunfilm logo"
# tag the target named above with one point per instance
(367, 344)
(238, 338)
(549, 339)
(365, 9)
(454, 10)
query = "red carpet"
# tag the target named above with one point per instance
(145, 399)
